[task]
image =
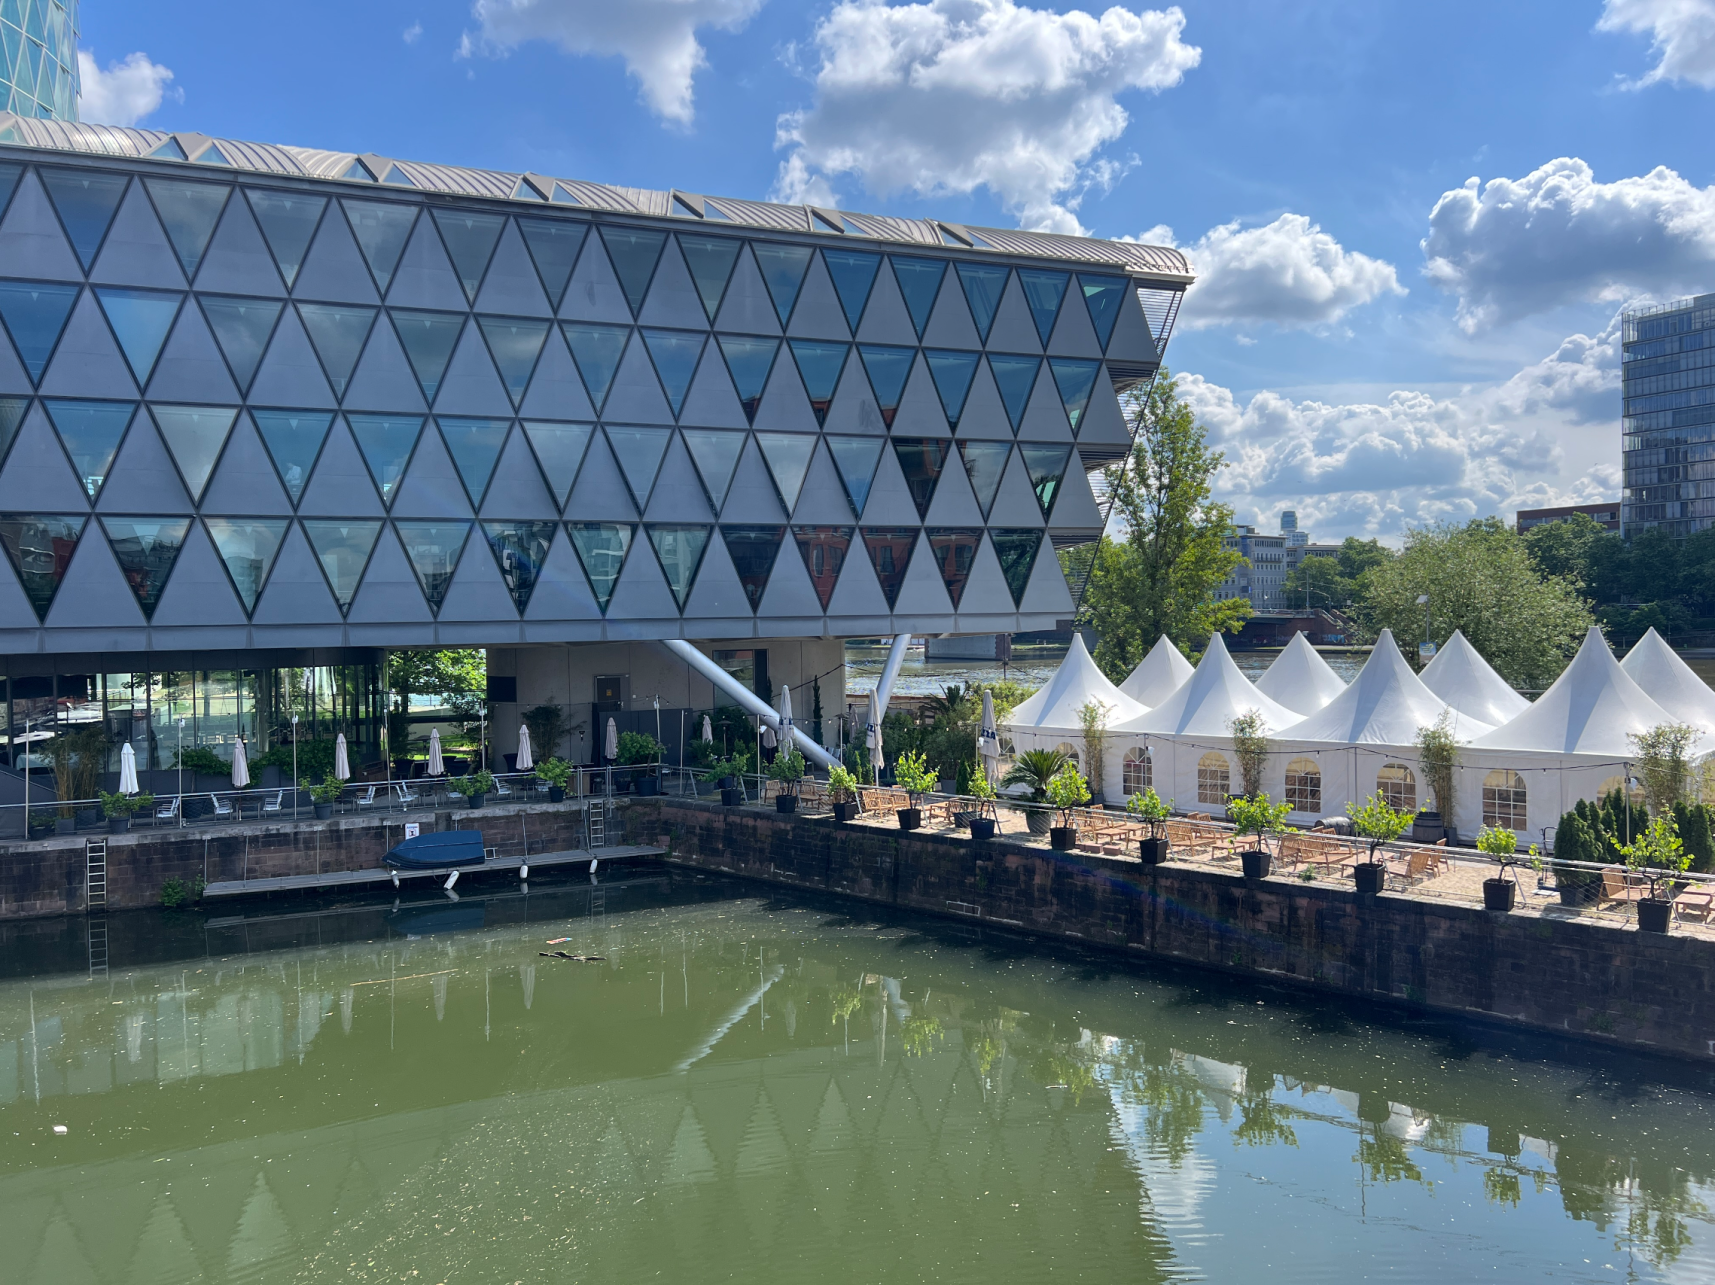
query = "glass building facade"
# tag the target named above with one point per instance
(1668, 398)
(38, 42)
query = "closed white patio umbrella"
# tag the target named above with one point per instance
(610, 743)
(525, 761)
(872, 737)
(708, 730)
(988, 739)
(785, 707)
(436, 766)
(127, 770)
(240, 766)
(341, 761)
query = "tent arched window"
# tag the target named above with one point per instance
(1137, 773)
(1070, 751)
(1619, 783)
(1504, 800)
(1304, 785)
(1397, 786)
(1214, 779)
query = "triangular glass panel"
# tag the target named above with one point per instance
(195, 436)
(713, 211)
(853, 273)
(12, 412)
(168, 149)
(140, 321)
(952, 372)
(888, 369)
(710, 260)
(675, 354)
(382, 229)
(242, 328)
(520, 550)
(9, 175)
(680, 548)
(921, 459)
(715, 452)
(35, 314)
(1103, 297)
(562, 195)
(470, 239)
(515, 344)
(294, 440)
(396, 177)
(984, 284)
(86, 201)
(824, 222)
(553, 246)
(247, 547)
(639, 452)
(358, 172)
(748, 361)
(212, 155)
(189, 212)
(428, 339)
(91, 433)
(1074, 378)
(890, 550)
(1043, 291)
(824, 549)
(338, 332)
(634, 254)
(387, 442)
(819, 366)
(146, 549)
(433, 549)
(955, 550)
(288, 220)
(985, 463)
(475, 446)
(559, 452)
(919, 281)
(601, 549)
(1047, 468)
(1014, 376)
(597, 350)
(856, 458)
(342, 547)
(684, 208)
(753, 550)
(783, 268)
(788, 457)
(1016, 550)
(523, 190)
(40, 547)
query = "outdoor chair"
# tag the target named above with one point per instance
(170, 812)
(1618, 886)
(500, 787)
(276, 803)
(1697, 900)
(367, 798)
(406, 794)
(219, 808)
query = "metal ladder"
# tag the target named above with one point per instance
(597, 824)
(95, 873)
(98, 947)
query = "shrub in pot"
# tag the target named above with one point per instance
(843, 790)
(788, 769)
(554, 773)
(1067, 791)
(1498, 891)
(475, 787)
(1034, 769)
(1659, 855)
(1254, 814)
(120, 807)
(325, 795)
(983, 820)
(1379, 823)
(916, 778)
(1148, 807)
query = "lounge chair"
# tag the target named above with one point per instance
(367, 798)
(170, 812)
(406, 794)
(220, 808)
(275, 804)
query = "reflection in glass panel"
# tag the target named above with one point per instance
(343, 549)
(140, 321)
(1075, 380)
(633, 253)
(853, 272)
(715, 452)
(433, 549)
(788, 458)
(247, 548)
(824, 550)
(753, 550)
(674, 354)
(428, 339)
(386, 442)
(919, 281)
(40, 547)
(194, 434)
(559, 453)
(1103, 297)
(710, 260)
(35, 313)
(381, 229)
(819, 366)
(888, 368)
(189, 212)
(601, 548)
(12, 411)
(294, 439)
(955, 550)
(1043, 291)
(241, 328)
(338, 334)
(680, 548)
(1016, 550)
(748, 360)
(86, 201)
(515, 345)
(922, 459)
(856, 458)
(475, 446)
(470, 239)
(520, 550)
(1047, 466)
(90, 433)
(288, 220)
(597, 351)
(984, 284)
(952, 372)
(639, 451)
(553, 246)
(985, 462)
(890, 550)
(783, 268)
(1014, 377)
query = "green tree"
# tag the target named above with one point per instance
(1161, 576)
(1567, 548)
(1336, 579)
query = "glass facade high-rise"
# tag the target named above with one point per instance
(38, 58)
(1668, 405)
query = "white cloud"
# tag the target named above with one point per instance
(123, 94)
(412, 34)
(656, 38)
(1289, 272)
(1682, 37)
(1513, 247)
(952, 95)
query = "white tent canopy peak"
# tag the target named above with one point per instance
(1158, 675)
(1670, 682)
(1300, 679)
(1386, 704)
(1460, 676)
(1078, 681)
(1206, 703)
(1594, 707)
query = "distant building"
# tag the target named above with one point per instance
(38, 69)
(1261, 577)
(1606, 515)
(1667, 400)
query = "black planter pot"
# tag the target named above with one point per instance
(1655, 914)
(1576, 894)
(1370, 876)
(962, 820)
(1498, 894)
(65, 825)
(1039, 822)
(845, 811)
(785, 802)
(1153, 851)
(909, 818)
(729, 783)
(118, 825)
(1256, 863)
(982, 829)
(477, 800)
(648, 786)
(556, 794)
(324, 811)
(731, 798)
(1063, 837)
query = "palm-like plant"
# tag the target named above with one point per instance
(1035, 768)
(953, 706)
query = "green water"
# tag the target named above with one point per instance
(765, 1091)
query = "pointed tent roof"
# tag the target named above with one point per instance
(1157, 674)
(1460, 676)
(1385, 705)
(1669, 681)
(1207, 703)
(1077, 680)
(1300, 679)
(1594, 707)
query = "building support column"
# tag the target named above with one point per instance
(746, 699)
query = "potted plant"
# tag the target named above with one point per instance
(637, 749)
(1659, 855)
(1066, 791)
(1502, 844)
(1379, 823)
(912, 773)
(1148, 808)
(475, 787)
(1254, 814)
(843, 788)
(788, 769)
(325, 795)
(1437, 760)
(724, 774)
(119, 808)
(554, 772)
(1034, 769)
(983, 821)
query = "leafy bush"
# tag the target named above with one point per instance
(1376, 821)
(315, 759)
(1148, 806)
(199, 758)
(554, 771)
(788, 766)
(177, 892)
(123, 805)
(1067, 789)
(1035, 769)
(329, 790)
(1497, 842)
(1251, 748)
(476, 783)
(1254, 814)
(721, 768)
(636, 748)
(842, 785)
(913, 775)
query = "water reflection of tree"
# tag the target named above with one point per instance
(1067, 1066)
(1264, 1122)
(1384, 1159)
(919, 1034)
(1174, 1099)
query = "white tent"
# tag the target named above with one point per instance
(1300, 679)
(1385, 705)
(1054, 707)
(1594, 707)
(1670, 682)
(1206, 703)
(1157, 675)
(1460, 676)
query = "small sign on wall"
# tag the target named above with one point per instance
(412, 829)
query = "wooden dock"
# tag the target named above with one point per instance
(382, 875)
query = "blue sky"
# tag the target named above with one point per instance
(1371, 342)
